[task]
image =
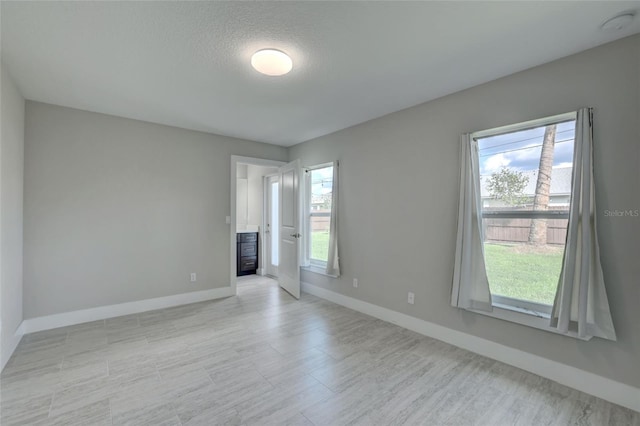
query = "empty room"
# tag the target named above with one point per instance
(320, 213)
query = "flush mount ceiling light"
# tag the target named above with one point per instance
(618, 22)
(271, 62)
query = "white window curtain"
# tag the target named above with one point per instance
(470, 283)
(581, 303)
(333, 263)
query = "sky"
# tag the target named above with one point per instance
(521, 150)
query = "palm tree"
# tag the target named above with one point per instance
(538, 229)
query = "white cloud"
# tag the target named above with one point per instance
(495, 163)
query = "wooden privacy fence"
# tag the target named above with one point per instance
(320, 223)
(517, 230)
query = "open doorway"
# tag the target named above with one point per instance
(252, 217)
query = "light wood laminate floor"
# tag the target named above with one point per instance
(263, 358)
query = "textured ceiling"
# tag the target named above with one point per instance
(186, 64)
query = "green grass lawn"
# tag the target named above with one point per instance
(523, 272)
(320, 245)
(517, 271)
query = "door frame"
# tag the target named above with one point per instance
(235, 160)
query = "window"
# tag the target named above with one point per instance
(526, 243)
(319, 190)
(525, 188)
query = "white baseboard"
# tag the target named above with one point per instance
(103, 312)
(602, 387)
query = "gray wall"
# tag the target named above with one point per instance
(118, 210)
(399, 177)
(12, 110)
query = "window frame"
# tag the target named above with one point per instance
(524, 312)
(314, 265)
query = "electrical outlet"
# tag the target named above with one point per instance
(355, 283)
(410, 298)
(193, 277)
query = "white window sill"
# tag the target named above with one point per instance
(317, 270)
(525, 317)
(528, 312)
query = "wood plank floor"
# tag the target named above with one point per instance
(263, 358)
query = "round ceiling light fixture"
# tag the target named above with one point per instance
(617, 23)
(271, 62)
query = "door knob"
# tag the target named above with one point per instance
(296, 235)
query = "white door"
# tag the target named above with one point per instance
(289, 218)
(272, 225)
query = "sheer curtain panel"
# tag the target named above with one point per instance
(333, 261)
(581, 303)
(470, 284)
